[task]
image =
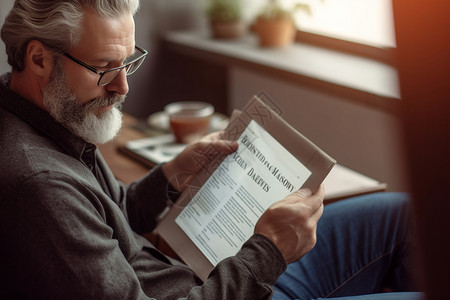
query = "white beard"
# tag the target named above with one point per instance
(80, 118)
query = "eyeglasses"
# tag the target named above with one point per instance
(130, 66)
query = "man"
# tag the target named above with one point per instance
(68, 227)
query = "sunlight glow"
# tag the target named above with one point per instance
(363, 21)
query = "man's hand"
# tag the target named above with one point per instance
(291, 223)
(196, 156)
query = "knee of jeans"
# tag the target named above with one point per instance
(396, 201)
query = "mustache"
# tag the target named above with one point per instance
(96, 103)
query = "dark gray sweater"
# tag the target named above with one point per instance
(68, 228)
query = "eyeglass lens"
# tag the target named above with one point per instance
(109, 76)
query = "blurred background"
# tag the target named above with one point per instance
(336, 83)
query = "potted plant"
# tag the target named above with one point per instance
(225, 17)
(275, 25)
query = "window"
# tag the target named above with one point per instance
(367, 22)
(364, 27)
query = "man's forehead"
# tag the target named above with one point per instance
(101, 34)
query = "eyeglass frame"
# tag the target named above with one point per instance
(102, 73)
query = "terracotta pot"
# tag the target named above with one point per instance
(275, 32)
(228, 29)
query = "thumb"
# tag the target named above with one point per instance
(297, 196)
(304, 193)
(223, 146)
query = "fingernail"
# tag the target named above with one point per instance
(305, 192)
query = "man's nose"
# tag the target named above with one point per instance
(119, 84)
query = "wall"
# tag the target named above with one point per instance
(5, 7)
(154, 18)
(365, 139)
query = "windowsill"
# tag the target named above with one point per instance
(340, 69)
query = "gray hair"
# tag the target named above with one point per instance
(56, 23)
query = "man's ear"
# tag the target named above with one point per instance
(39, 59)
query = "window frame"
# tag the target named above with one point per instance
(385, 55)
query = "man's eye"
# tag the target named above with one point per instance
(108, 66)
(103, 67)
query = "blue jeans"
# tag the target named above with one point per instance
(363, 246)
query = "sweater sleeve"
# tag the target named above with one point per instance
(250, 274)
(57, 245)
(147, 198)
